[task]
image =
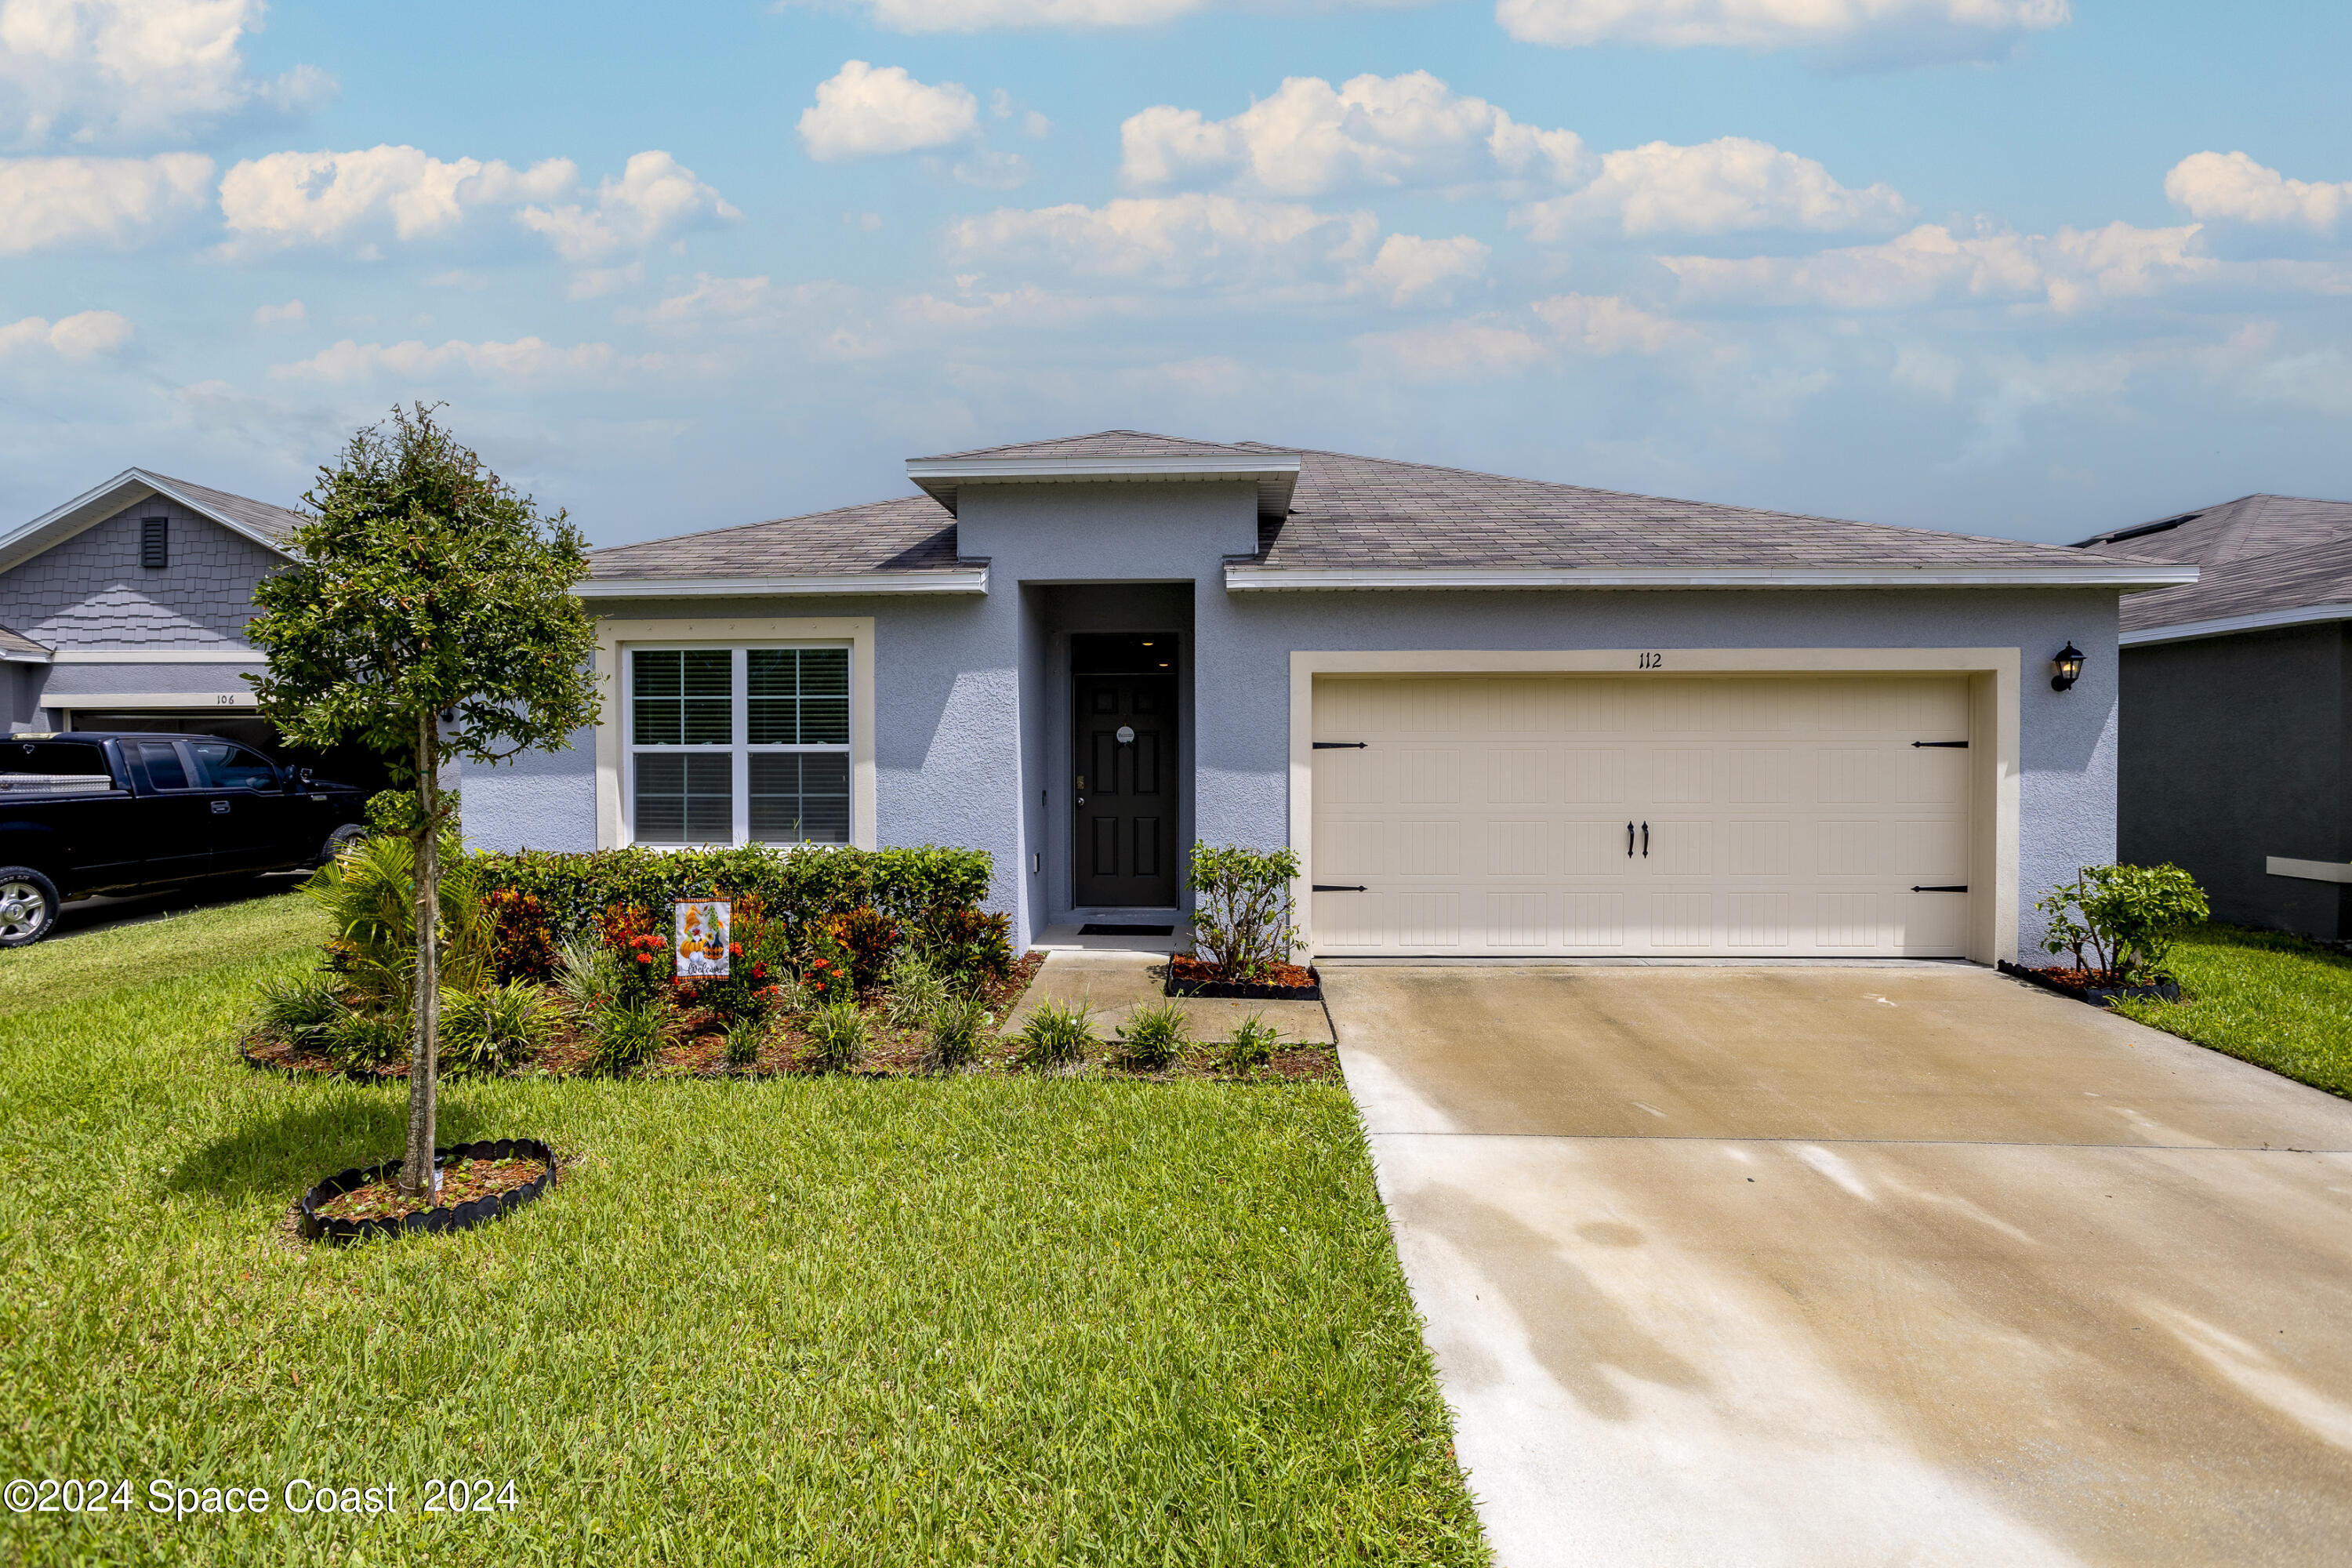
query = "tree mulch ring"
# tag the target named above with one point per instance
(477, 1182)
(1280, 981)
(2096, 987)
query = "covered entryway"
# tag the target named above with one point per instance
(1767, 815)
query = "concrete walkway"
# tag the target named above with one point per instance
(1844, 1266)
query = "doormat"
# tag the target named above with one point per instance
(1090, 929)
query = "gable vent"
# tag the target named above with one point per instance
(156, 541)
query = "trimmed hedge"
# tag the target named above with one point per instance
(803, 882)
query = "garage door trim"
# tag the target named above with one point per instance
(1993, 696)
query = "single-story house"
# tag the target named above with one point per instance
(2237, 704)
(1489, 715)
(125, 608)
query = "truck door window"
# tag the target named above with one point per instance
(162, 760)
(227, 766)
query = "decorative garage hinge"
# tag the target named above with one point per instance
(1341, 745)
(1961, 745)
(1961, 889)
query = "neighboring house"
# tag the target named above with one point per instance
(126, 608)
(2237, 706)
(1490, 715)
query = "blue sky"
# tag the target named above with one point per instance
(2035, 267)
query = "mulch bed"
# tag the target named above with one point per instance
(462, 1181)
(2096, 987)
(1280, 983)
(701, 1052)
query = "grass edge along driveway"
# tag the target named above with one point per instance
(2265, 997)
(824, 1321)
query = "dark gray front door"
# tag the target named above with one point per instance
(1125, 752)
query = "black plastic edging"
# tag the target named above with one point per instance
(2098, 995)
(464, 1216)
(1242, 991)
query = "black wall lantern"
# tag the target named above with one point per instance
(2065, 667)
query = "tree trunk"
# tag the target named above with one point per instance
(424, 1061)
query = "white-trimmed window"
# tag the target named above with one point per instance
(739, 745)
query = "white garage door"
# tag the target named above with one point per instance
(1770, 816)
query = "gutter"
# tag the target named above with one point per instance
(973, 581)
(1243, 577)
(2259, 621)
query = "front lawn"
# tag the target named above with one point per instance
(2269, 998)
(819, 1320)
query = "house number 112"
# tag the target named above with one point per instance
(1654, 661)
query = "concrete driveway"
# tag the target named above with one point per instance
(1844, 1266)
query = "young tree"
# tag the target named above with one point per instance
(427, 614)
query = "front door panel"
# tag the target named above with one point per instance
(1126, 791)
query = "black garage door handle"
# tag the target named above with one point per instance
(1338, 887)
(1961, 889)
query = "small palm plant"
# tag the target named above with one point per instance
(1057, 1037)
(1153, 1038)
(960, 1028)
(839, 1035)
(1251, 1049)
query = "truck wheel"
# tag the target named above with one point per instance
(339, 840)
(28, 905)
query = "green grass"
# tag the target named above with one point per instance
(790, 1320)
(77, 967)
(2265, 997)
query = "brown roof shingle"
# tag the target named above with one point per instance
(910, 534)
(2258, 554)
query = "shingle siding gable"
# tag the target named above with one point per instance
(90, 591)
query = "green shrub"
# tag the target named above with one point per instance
(913, 990)
(1241, 912)
(966, 945)
(802, 883)
(364, 1039)
(628, 1035)
(868, 938)
(1252, 1047)
(960, 1028)
(2126, 917)
(297, 1012)
(839, 1035)
(491, 1031)
(1057, 1036)
(369, 892)
(744, 1037)
(1153, 1037)
(522, 943)
(587, 975)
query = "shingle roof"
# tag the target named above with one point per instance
(2259, 553)
(1371, 511)
(274, 521)
(910, 534)
(16, 645)
(1114, 444)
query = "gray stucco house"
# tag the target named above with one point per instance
(1492, 716)
(2237, 706)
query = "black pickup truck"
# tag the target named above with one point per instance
(109, 813)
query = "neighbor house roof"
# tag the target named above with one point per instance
(2266, 560)
(1328, 520)
(15, 648)
(268, 526)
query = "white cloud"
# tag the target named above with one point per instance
(117, 201)
(1409, 269)
(2230, 186)
(289, 314)
(1003, 105)
(400, 192)
(2071, 271)
(865, 112)
(1605, 324)
(530, 359)
(1765, 24)
(1502, 343)
(78, 337)
(1310, 139)
(129, 71)
(1722, 186)
(656, 199)
(1187, 240)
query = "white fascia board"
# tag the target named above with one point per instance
(94, 506)
(2259, 621)
(973, 582)
(14, 656)
(1242, 578)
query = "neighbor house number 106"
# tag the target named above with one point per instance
(1654, 661)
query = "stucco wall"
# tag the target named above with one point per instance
(90, 591)
(967, 732)
(2234, 751)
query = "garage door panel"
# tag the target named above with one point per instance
(1787, 815)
